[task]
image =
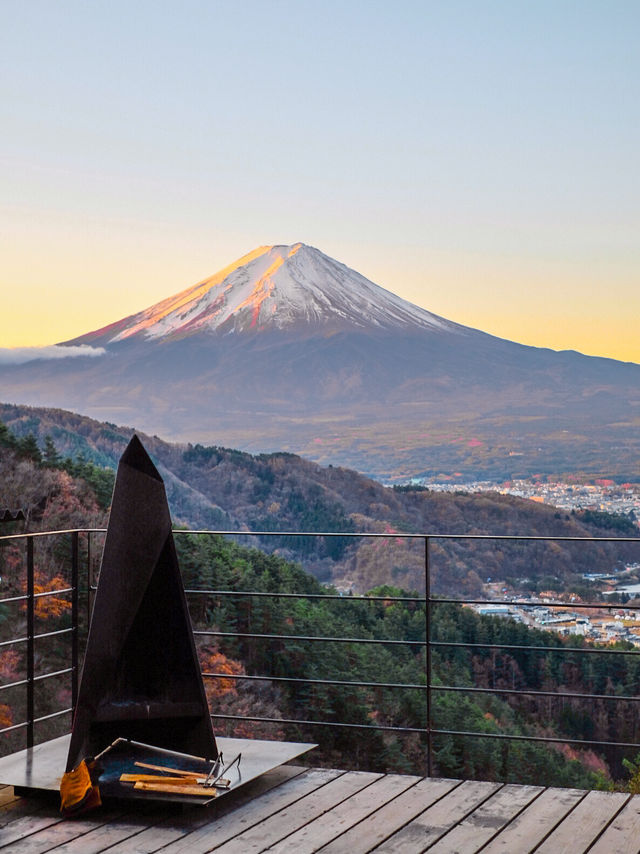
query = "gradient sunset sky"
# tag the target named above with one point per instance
(478, 158)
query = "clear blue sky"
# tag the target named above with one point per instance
(478, 158)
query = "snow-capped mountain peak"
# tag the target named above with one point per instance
(274, 287)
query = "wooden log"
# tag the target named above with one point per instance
(177, 789)
(156, 778)
(174, 772)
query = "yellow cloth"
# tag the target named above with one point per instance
(78, 791)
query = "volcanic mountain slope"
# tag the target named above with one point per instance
(274, 287)
(288, 349)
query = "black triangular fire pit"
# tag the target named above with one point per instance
(141, 698)
(141, 678)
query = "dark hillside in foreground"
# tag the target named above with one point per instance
(223, 489)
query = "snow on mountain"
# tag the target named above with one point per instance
(275, 287)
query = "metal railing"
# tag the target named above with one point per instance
(29, 600)
(428, 645)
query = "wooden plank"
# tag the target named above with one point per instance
(7, 795)
(172, 772)
(431, 824)
(533, 824)
(61, 832)
(623, 834)
(336, 821)
(485, 821)
(102, 836)
(253, 813)
(583, 824)
(215, 827)
(299, 811)
(27, 824)
(19, 807)
(391, 817)
(177, 789)
(176, 826)
(158, 778)
(292, 818)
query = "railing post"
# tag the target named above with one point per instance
(427, 615)
(30, 641)
(74, 618)
(89, 580)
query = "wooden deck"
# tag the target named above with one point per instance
(297, 810)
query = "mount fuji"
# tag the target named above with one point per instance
(288, 349)
(273, 287)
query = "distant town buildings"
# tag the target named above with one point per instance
(604, 495)
(600, 625)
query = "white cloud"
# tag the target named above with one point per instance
(19, 355)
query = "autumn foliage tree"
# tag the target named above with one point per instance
(51, 498)
(229, 694)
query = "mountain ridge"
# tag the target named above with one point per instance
(291, 350)
(211, 487)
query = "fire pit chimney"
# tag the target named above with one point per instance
(141, 678)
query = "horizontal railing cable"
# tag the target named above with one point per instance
(42, 595)
(312, 638)
(528, 604)
(300, 680)
(256, 594)
(37, 636)
(36, 678)
(523, 647)
(402, 535)
(14, 727)
(9, 599)
(543, 739)
(36, 720)
(525, 692)
(433, 730)
(332, 724)
(469, 689)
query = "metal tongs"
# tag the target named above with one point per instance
(215, 778)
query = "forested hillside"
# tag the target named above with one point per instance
(53, 493)
(212, 563)
(223, 489)
(75, 497)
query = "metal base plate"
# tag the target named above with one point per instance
(37, 770)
